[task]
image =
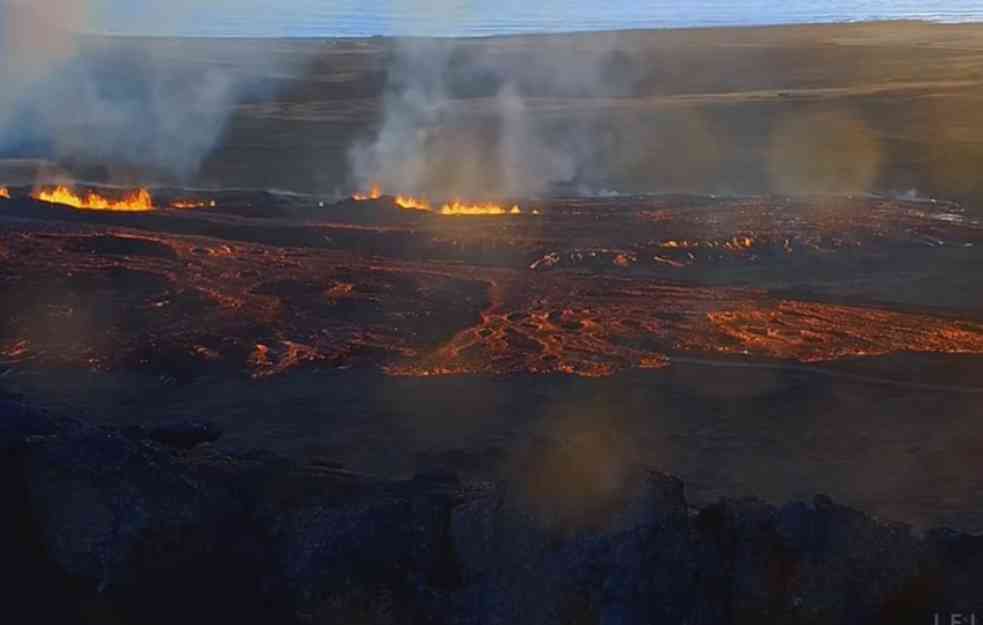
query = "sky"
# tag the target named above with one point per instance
(325, 18)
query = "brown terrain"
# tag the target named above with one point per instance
(738, 110)
(762, 308)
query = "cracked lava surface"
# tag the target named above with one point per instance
(582, 287)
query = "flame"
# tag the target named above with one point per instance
(457, 208)
(193, 204)
(5, 193)
(373, 194)
(138, 201)
(405, 201)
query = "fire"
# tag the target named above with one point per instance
(138, 201)
(404, 201)
(192, 204)
(374, 194)
(5, 193)
(457, 208)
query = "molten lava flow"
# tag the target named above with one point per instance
(422, 204)
(815, 332)
(404, 201)
(5, 193)
(457, 208)
(138, 201)
(192, 204)
(374, 194)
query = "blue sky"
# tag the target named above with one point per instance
(475, 17)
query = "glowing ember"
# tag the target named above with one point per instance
(457, 208)
(404, 201)
(138, 201)
(374, 194)
(185, 204)
(5, 193)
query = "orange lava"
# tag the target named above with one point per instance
(5, 193)
(265, 361)
(595, 330)
(458, 208)
(263, 310)
(735, 244)
(374, 194)
(814, 332)
(137, 201)
(190, 204)
(453, 208)
(405, 201)
(574, 328)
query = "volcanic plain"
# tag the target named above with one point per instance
(793, 342)
(779, 296)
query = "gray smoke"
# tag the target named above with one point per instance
(151, 108)
(472, 118)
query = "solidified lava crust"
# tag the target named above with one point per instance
(582, 287)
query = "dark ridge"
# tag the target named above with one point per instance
(106, 526)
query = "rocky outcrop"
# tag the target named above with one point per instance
(106, 526)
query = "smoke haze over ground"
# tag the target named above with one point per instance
(741, 111)
(110, 109)
(456, 121)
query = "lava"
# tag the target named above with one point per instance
(405, 201)
(438, 297)
(737, 243)
(452, 208)
(137, 201)
(266, 362)
(374, 194)
(596, 330)
(4, 193)
(813, 332)
(190, 204)
(458, 208)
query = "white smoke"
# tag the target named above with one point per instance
(456, 118)
(156, 107)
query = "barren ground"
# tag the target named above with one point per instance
(802, 339)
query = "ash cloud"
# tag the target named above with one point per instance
(470, 118)
(108, 107)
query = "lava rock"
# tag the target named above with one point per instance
(106, 526)
(18, 421)
(185, 434)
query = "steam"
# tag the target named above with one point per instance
(146, 108)
(456, 120)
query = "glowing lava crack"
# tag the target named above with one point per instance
(454, 297)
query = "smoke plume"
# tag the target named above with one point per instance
(153, 108)
(456, 120)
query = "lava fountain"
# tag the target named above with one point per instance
(137, 201)
(405, 201)
(458, 208)
(453, 208)
(374, 194)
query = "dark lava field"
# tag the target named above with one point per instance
(734, 341)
